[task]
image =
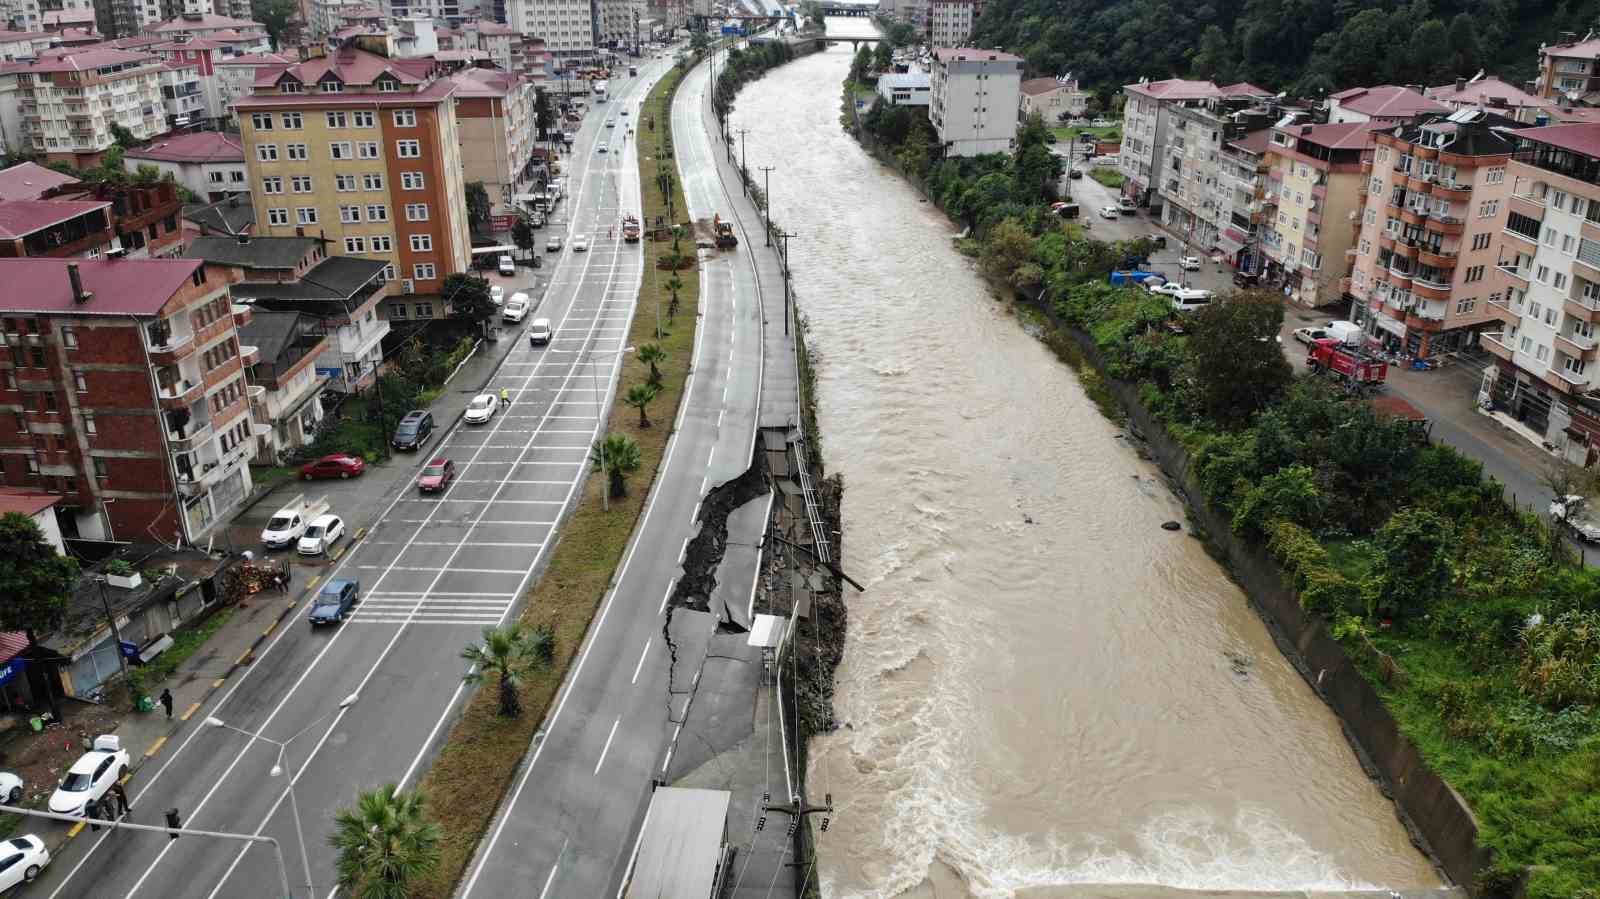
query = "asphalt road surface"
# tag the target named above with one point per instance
(433, 571)
(569, 825)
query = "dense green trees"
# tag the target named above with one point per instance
(1307, 46)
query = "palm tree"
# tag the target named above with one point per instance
(385, 843)
(651, 354)
(640, 396)
(618, 457)
(674, 284)
(509, 652)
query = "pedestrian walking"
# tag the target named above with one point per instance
(288, 576)
(505, 397)
(166, 702)
(121, 793)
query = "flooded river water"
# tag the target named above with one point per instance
(1041, 687)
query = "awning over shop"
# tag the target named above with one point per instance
(1228, 245)
(1393, 326)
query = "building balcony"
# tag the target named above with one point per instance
(1565, 381)
(1437, 258)
(1418, 185)
(1576, 346)
(1582, 309)
(1447, 224)
(1502, 310)
(1526, 205)
(1518, 235)
(249, 355)
(194, 435)
(1429, 289)
(1590, 270)
(1496, 346)
(175, 348)
(1514, 273)
(1406, 248)
(1366, 166)
(180, 394)
(1386, 240)
(1423, 323)
(1400, 279)
(1459, 193)
(243, 315)
(1412, 216)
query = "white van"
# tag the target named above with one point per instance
(1190, 300)
(1344, 332)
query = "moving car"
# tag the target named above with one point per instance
(580, 243)
(507, 266)
(497, 294)
(1189, 263)
(553, 245)
(413, 430)
(90, 776)
(611, 123)
(481, 409)
(21, 860)
(334, 601)
(603, 149)
(516, 308)
(335, 465)
(1170, 288)
(1109, 212)
(539, 332)
(1309, 336)
(437, 476)
(320, 536)
(10, 788)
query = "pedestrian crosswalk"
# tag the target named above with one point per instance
(432, 608)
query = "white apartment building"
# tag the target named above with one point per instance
(1147, 123)
(567, 26)
(1197, 194)
(237, 74)
(71, 99)
(974, 96)
(15, 45)
(950, 22)
(209, 163)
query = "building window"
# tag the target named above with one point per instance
(412, 181)
(336, 119)
(100, 468)
(273, 185)
(293, 87)
(1542, 274)
(372, 181)
(1494, 174)
(69, 338)
(306, 215)
(366, 149)
(1481, 241)
(364, 118)
(266, 152)
(344, 182)
(332, 86)
(388, 272)
(425, 310)
(1474, 273)
(416, 212)
(277, 216)
(340, 149)
(1541, 352)
(405, 118)
(388, 86)
(293, 121)
(261, 121)
(79, 382)
(36, 357)
(1559, 282)
(33, 465)
(297, 151)
(421, 243)
(1488, 208)
(350, 215)
(408, 149)
(47, 402)
(355, 245)
(88, 425)
(300, 184)
(383, 243)
(377, 212)
(422, 271)
(1366, 247)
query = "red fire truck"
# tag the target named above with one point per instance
(1358, 372)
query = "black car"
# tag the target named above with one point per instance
(413, 430)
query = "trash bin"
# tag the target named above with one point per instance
(145, 704)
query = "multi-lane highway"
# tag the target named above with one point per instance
(568, 827)
(433, 572)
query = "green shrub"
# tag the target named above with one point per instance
(1289, 494)
(1560, 662)
(1296, 549)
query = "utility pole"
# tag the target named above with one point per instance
(766, 199)
(784, 236)
(744, 173)
(116, 633)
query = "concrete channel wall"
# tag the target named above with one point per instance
(1439, 820)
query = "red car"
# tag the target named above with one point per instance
(437, 476)
(338, 465)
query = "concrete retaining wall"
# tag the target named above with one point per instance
(1437, 817)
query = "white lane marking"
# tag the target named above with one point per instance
(640, 667)
(607, 748)
(666, 596)
(553, 868)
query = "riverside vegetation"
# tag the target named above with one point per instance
(1471, 619)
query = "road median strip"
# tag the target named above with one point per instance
(480, 757)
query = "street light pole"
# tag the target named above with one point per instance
(280, 767)
(594, 387)
(766, 199)
(744, 173)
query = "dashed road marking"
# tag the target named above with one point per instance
(189, 712)
(155, 747)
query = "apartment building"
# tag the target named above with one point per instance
(567, 27)
(88, 221)
(70, 99)
(1196, 194)
(289, 399)
(1497, 96)
(202, 54)
(122, 18)
(1385, 104)
(30, 181)
(125, 385)
(209, 163)
(1054, 99)
(236, 77)
(973, 99)
(364, 151)
(1147, 124)
(202, 24)
(1313, 197)
(1245, 171)
(1434, 205)
(904, 89)
(950, 21)
(494, 110)
(15, 45)
(1570, 68)
(1547, 279)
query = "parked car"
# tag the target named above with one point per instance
(335, 600)
(336, 465)
(516, 308)
(10, 788)
(553, 245)
(320, 536)
(284, 527)
(507, 266)
(436, 476)
(497, 293)
(21, 860)
(1170, 288)
(90, 776)
(413, 430)
(1109, 212)
(1127, 206)
(1189, 263)
(1075, 174)
(539, 332)
(1309, 336)
(481, 409)
(580, 243)
(1187, 300)
(1246, 279)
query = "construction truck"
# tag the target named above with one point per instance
(724, 232)
(630, 228)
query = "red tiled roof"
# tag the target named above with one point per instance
(972, 54)
(194, 43)
(120, 286)
(196, 146)
(352, 66)
(23, 502)
(1579, 137)
(29, 181)
(1243, 89)
(1386, 101)
(1033, 87)
(1254, 142)
(1484, 89)
(483, 83)
(77, 61)
(1586, 49)
(1338, 136)
(255, 59)
(433, 93)
(495, 28)
(8, 36)
(234, 36)
(207, 22)
(19, 218)
(1174, 89)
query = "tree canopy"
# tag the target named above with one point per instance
(34, 578)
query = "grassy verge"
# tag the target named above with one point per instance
(477, 762)
(1071, 134)
(1109, 177)
(185, 642)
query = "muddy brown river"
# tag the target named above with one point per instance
(1041, 687)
